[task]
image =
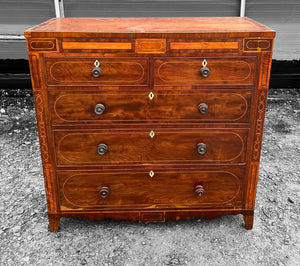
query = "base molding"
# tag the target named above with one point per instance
(151, 216)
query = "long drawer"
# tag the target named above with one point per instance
(136, 146)
(83, 190)
(75, 107)
(205, 71)
(96, 71)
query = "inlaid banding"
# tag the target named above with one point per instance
(203, 45)
(97, 45)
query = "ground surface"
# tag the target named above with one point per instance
(274, 240)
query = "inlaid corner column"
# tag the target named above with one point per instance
(40, 98)
(259, 103)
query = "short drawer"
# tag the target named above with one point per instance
(205, 71)
(169, 189)
(75, 107)
(96, 71)
(181, 146)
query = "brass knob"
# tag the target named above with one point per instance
(104, 192)
(199, 190)
(205, 72)
(102, 149)
(201, 148)
(99, 109)
(203, 108)
(96, 72)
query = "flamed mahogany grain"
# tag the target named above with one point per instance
(135, 106)
(136, 147)
(78, 71)
(186, 71)
(166, 189)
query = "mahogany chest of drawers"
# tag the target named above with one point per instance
(150, 119)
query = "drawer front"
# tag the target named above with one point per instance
(165, 189)
(116, 147)
(79, 71)
(167, 106)
(221, 71)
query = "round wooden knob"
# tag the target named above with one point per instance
(102, 149)
(99, 109)
(104, 192)
(96, 72)
(203, 108)
(201, 148)
(205, 72)
(199, 190)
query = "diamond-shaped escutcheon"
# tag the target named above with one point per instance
(151, 134)
(151, 173)
(151, 95)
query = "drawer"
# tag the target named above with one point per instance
(220, 71)
(136, 189)
(136, 106)
(81, 70)
(116, 147)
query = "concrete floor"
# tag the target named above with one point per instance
(274, 240)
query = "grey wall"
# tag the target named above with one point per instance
(282, 16)
(15, 17)
(18, 15)
(154, 8)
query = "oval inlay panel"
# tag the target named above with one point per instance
(114, 71)
(43, 45)
(136, 189)
(254, 44)
(126, 106)
(39, 44)
(187, 71)
(167, 146)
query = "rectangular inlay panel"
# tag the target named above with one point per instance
(150, 46)
(203, 45)
(100, 45)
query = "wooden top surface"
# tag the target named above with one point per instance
(97, 27)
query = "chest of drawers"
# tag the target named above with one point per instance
(150, 119)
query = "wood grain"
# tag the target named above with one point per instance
(203, 45)
(45, 45)
(109, 27)
(259, 124)
(248, 219)
(151, 46)
(171, 189)
(77, 71)
(54, 221)
(97, 45)
(150, 177)
(152, 217)
(34, 63)
(265, 70)
(136, 106)
(257, 45)
(186, 71)
(137, 147)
